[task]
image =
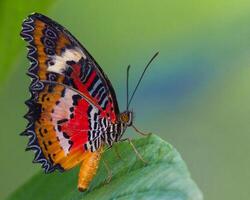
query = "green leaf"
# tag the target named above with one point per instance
(164, 177)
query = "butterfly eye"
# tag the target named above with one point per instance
(124, 118)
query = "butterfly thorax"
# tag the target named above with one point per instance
(116, 130)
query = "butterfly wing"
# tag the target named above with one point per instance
(72, 101)
(57, 55)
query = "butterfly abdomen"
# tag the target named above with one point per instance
(88, 168)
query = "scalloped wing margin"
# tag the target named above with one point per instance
(35, 87)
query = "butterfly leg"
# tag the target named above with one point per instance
(117, 153)
(106, 165)
(140, 132)
(135, 150)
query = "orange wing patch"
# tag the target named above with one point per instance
(48, 43)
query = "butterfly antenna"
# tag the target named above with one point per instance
(142, 77)
(127, 85)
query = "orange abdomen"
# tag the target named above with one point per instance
(88, 168)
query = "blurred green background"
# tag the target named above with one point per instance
(196, 94)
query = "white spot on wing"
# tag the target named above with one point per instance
(61, 111)
(59, 62)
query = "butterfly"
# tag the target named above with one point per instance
(73, 111)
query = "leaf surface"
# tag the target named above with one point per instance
(164, 177)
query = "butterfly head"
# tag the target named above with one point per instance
(127, 117)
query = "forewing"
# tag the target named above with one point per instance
(56, 55)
